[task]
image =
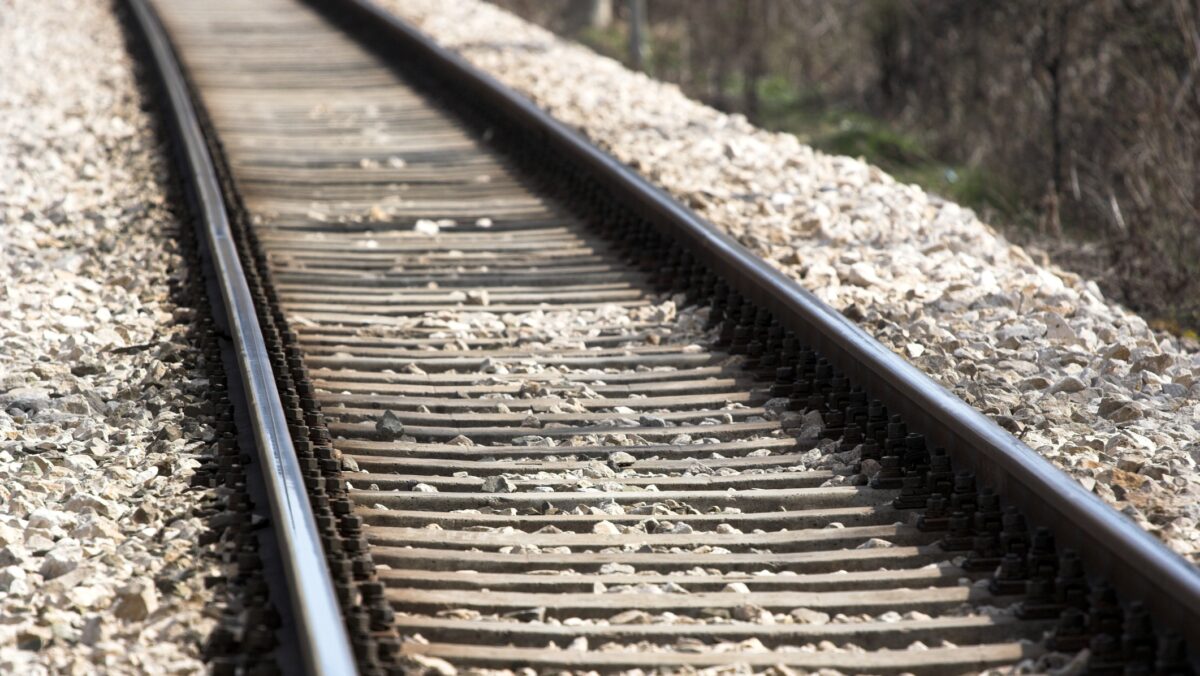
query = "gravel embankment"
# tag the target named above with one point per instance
(100, 570)
(1081, 380)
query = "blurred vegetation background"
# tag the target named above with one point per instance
(1073, 125)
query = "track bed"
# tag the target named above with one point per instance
(557, 452)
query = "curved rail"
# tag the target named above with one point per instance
(1110, 544)
(322, 631)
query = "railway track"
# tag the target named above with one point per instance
(523, 411)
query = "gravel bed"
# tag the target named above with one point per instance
(101, 403)
(1081, 380)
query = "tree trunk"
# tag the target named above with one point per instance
(753, 38)
(582, 14)
(638, 51)
(1056, 34)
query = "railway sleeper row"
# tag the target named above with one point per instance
(664, 477)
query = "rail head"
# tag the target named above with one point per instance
(317, 613)
(1110, 544)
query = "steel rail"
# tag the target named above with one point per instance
(1111, 545)
(319, 624)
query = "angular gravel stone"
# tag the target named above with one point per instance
(136, 601)
(631, 617)
(498, 484)
(1068, 384)
(605, 528)
(652, 421)
(60, 560)
(389, 426)
(12, 579)
(621, 459)
(806, 616)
